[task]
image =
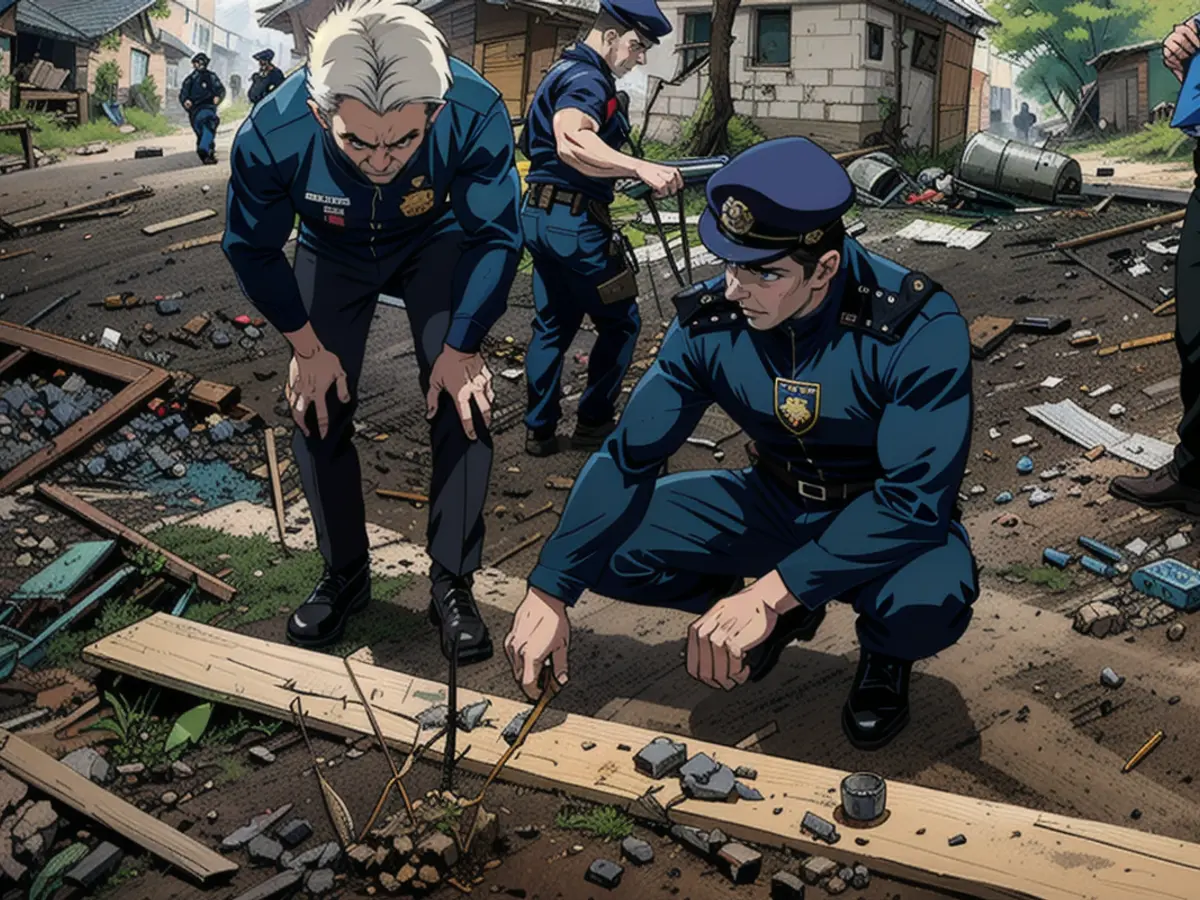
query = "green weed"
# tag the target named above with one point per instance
(65, 648)
(605, 822)
(1156, 142)
(231, 768)
(228, 733)
(1056, 580)
(52, 133)
(914, 160)
(148, 562)
(133, 867)
(140, 735)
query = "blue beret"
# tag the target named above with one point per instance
(643, 16)
(773, 199)
(265, 55)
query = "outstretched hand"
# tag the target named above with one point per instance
(465, 377)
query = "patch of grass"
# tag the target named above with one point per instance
(65, 648)
(227, 733)
(231, 768)
(53, 134)
(1056, 580)
(915, 159)
(148, 562)
(1156, 142)
(140, 735)
(132, 867)
(605, 822)
(234, 112)
(448, 818)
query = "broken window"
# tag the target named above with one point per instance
(773, 37)
(874, 41)
(924, 52)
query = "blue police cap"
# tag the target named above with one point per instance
(265, 55)
(200, 58)
(642, 15)
(773, 199)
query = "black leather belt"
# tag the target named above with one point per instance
(543, 196)
(808, 490)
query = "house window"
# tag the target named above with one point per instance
(201, 36)
(139, 66)
(924, 52)
(874, 42)
(697, 32)
(773, 37)
(173, 76)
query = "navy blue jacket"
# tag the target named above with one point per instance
(462, 177)
(580, 80)
(261, 85)
(895, 413)
(203, 88)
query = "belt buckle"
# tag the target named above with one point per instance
(812, 491)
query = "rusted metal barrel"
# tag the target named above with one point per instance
(1010, 167)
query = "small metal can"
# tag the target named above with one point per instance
(864, 796)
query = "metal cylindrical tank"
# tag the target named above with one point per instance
(876, 174)
(1010, 167)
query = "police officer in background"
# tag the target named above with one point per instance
(200, 94)
(266, 79)
(573, 134)
(852, 377)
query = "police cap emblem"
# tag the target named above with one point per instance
(814, 237)
(736, 217)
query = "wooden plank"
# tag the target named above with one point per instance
(194, 243)
(74, 353)
(15, 254)
(189, 219)
(1011, 852)
(140, 193)
(987, 333)
(1148, 341)
(51, 777)
(276, 488)
(213, 394)
(13, 359)
(1120, 230)
(177, 566)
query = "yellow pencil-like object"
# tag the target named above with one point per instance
(1143, 751)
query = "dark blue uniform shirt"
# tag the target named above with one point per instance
(895, 413)
(462, 177)
(261, 85)
(580, 80)
(203, 88)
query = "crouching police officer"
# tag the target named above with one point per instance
(266, 79)
(200, 94)
(852, 377)
(573, 132)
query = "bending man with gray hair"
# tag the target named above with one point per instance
(399, 163)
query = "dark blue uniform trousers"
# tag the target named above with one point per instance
(738, 522)
(204, 123)
(341, 298)
(570, 258)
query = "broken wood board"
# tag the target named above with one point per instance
(189, 219)
(221, 397)
(140, 193)
(276, 488)
(1053, 858)
(194, 243)
(66, 786)
(141, 381)
(175, 565)
(987, 333)
(1077, 424)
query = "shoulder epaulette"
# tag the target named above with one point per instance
(703, 308)
(886, 313)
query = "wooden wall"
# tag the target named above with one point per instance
(1125, 92)
(954, 93)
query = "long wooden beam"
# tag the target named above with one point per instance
(176, 565)
(1011, 852)
(66, 786)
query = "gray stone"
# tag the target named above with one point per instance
(282, 885)
(320, 882)
(169, 798)
(131, 769)
(331, 855)
(96, 465)
(746, 773)
(716, 840)
(835, 886)
(94, 868)
(264, 851)
(221, 432)
(861, 878)
(65, 412)
(74, 382)
(168, 307)
(741, 863)
(845, 873)
(262, 755)
(691, 837)
(434, 717)
(958, 840)
(51, 394)
(605, 873)
(819, 828)
(162, 460)
(440, 848)
(746, 792)
(88, 763)
(706, 779)
(251, 332)
(1111, 679)
(513, 728)
(220, 339)
(37, 818)
(257, 826)
(119, 452)
(181, 432)
(786, 886)
(637, 851)
(660, 758)
(469, 717)
(294, 832)
(309, 859)
(181, 769)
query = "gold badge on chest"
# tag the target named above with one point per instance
(797, 404)
(417, 202)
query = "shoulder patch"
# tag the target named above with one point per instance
(886, 313)
(703, 308)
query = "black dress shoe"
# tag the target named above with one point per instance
(541, 443)
(1161, 489)
(454, 613)
(321, 618)
(877, 708)
(799, 624)
(590, 437)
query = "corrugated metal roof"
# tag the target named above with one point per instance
(32, 18)
(966, 14)
(1121, 51)
(95, 18)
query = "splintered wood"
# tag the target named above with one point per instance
(1011, 852)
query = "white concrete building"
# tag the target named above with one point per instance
(827, 69)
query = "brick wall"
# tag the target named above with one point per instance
(131, 40)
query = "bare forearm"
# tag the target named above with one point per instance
(585, 152)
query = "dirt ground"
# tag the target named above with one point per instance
(1011, 713)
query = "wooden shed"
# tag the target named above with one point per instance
(1131, 82)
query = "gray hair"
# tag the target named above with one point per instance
(383, 53)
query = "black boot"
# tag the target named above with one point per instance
(541, 443)
(799, 624)
(590, 436)
(1161, 489)
(877, 708)
(321, 618)
(453, 611)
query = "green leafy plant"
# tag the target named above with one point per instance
(228, 732)
(447, 819)
(160, 10)
(189, 728)
(148, 562)
(147, 90)
(605, 822)
(127, 719)
(50, 879)
(108, 80)
(111, 41)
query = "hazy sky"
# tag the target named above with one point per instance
(241, 16)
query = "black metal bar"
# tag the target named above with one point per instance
(38, 316)
(687, 250)
(662, 236)
(449, 751)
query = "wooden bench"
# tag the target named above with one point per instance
(25, 130)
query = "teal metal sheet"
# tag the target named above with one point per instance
(62, 578)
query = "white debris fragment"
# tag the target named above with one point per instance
(1078, 425)
(1137, 547)
(1022, 440)
(1116, 410)
(1051, 474)
(1052, 381)
(993, 433)
(1176, 542)
(978, 489)
(110, 339)
(512, 374)
(1101, 391)
(1139, 269)
(1081, 334)
(1038, 497)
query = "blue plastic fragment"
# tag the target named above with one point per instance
(1096, 567)
(1004, 497)
(1170, 581)
(62, 578)
(1101, 550)
(1056, 557)
(1024, 465)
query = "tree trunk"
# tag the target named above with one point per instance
(712, 133)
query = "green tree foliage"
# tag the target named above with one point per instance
(161, 9)
(108, 79)
(1163, 15)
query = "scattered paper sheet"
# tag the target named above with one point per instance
(1085, 429)
(925, 232)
